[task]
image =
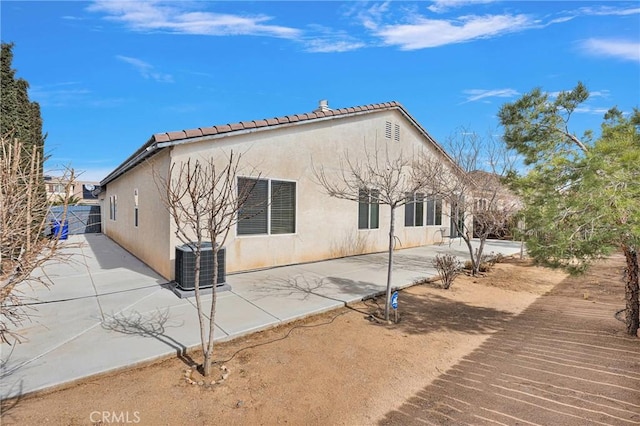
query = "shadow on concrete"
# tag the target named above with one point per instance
(154, 326)
(300, 287)
(110, 255)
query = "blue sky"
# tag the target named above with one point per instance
(110, 74)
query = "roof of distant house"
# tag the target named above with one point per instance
(162, 140)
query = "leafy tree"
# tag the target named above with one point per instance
(23, 245)
(23, 202)
(20, 118)
(580, 195)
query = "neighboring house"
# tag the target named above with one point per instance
(84, 191)
(495, 206)
(308, 225)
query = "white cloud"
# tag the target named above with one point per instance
(321, 45)
(177, 17)
(621, 49)
(478, 94)
(424, 33)
(328, 40)
(609, 11)
(591, 110)
(440, 6)
(146, 70)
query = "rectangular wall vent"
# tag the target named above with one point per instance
(387, 130)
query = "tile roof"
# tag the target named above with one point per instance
(267, 122)
(159, 141)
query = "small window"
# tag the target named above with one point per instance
(113, 203)
(368, 209)
(396, 133)
(387, 130)
(135, 207)
(414, 210)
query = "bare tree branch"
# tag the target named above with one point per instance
(391, 176)
(204, 200)
(24, 248)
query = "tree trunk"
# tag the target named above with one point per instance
(390, 265)
(631, 290)
(208, 353)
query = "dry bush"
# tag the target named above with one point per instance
(448, 267)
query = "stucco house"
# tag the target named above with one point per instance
(308, 225)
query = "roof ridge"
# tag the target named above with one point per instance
(267, 122)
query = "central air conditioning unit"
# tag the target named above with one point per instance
(186, 266)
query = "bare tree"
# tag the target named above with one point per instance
(24, 247)
(480, 205)
(378, 178)
(205, 202)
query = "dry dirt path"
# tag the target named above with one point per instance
(563, 361)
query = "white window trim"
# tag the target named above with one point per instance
(369, 228)
(269, 234)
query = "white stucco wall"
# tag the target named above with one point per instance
(325, 227)
(149, 241)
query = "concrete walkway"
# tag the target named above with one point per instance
(144, 320)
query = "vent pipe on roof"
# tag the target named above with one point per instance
(323, 105)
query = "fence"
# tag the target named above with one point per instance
(82, 219)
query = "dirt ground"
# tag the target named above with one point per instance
(336, 368)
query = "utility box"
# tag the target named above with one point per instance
(185, 266)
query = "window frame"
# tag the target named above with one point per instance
(268, 204)
(369, 199)
(414, 209)
(433, 205)
(113, 207)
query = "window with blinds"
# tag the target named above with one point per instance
(267, 207)
(283, 207)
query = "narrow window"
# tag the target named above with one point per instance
(283, 207)
(434, 211)
(135, 207)
(368, 209)
(252, 216)
(414, 210)
(396, 133)
(112, 207)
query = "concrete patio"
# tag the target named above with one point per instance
(107, 310)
